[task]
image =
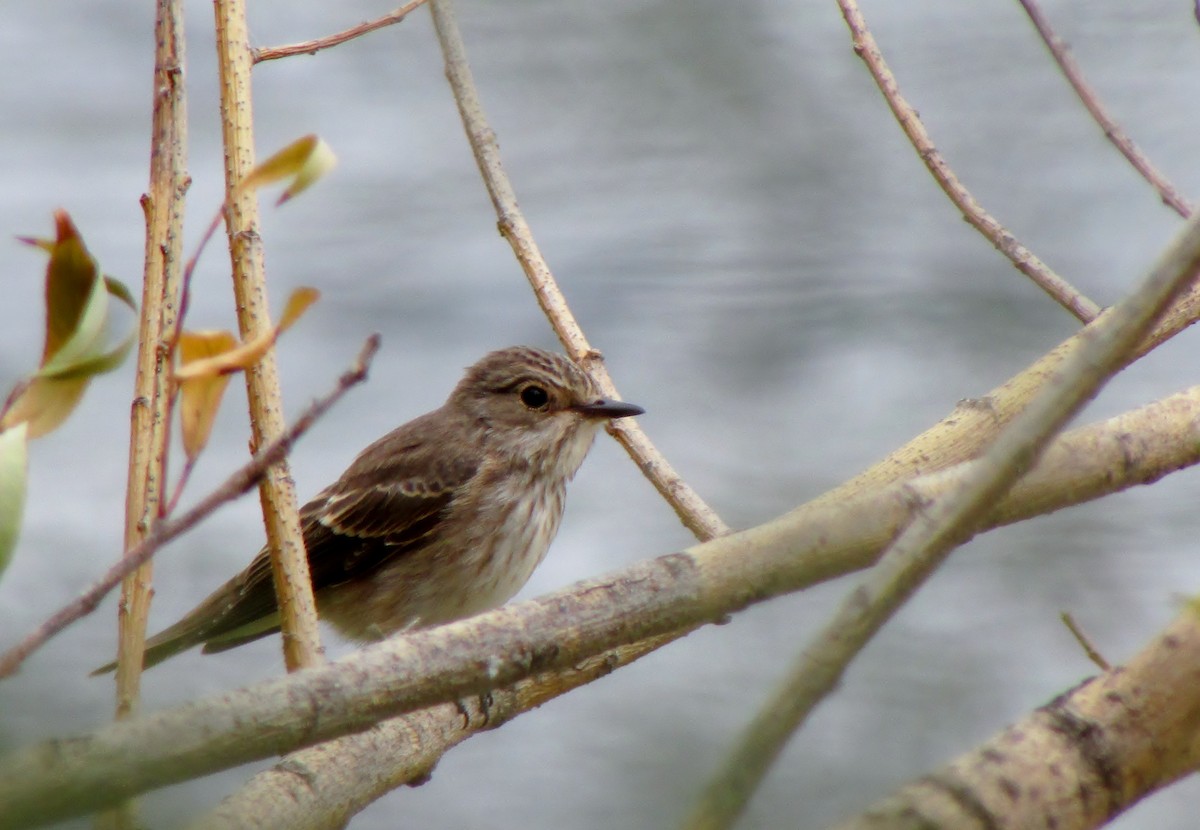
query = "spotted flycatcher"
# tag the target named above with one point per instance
(441, 518)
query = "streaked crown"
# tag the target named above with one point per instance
(536, 408)
(519, 383)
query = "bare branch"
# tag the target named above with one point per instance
(164, 531)
(1112, 130)
(975, 423)
(311, 47)
(938, 528)
(150, 415)
(1026, 262)
(1137, 447)
(697, 516)
(326, 785)
(660, 599)
(277, 491)
(1088, 755)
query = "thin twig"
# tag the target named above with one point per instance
(1084, 643)
(185, 475)
(1112, 130)
(1026, 262)
(940, 527)
(697, 516)
(236, 485)
(189, 268)
(311, 47)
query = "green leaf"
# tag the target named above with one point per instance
(76, 333)
(121, 291)
(86, 339)
(71, 278)
(12, 489)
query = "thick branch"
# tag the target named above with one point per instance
(938, 528)
(663, 597)
(1080, 760)
(326, 785)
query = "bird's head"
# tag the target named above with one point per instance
(537, 404)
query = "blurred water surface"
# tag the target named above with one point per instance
(768, 268)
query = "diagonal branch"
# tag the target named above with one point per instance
(697, 516)
(1025, 261)
(1112, 130)
(1077, 762)
(662, 598)
(938, 528)
(311, 47)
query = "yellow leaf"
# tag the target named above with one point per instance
(208, 358)
(247, 354)
(303, 161)
(12, 489)
(200, 396)
(298, 303)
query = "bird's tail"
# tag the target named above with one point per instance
(181, 636)
(214, 622)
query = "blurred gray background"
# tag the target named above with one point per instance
(742, 229)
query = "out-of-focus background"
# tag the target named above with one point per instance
(770, 271)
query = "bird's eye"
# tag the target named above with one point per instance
(535, 397)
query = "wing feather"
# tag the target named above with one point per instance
(388, 502)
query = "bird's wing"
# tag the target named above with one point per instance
(389, 501)
(347, 536)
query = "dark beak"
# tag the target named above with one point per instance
(604, 408)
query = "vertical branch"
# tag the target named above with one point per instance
(163, 207)
(289, 563)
